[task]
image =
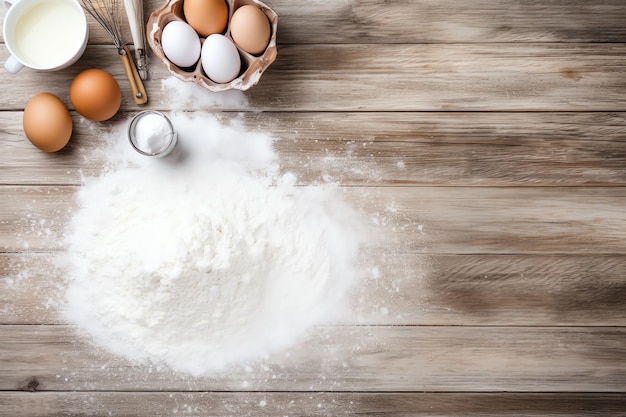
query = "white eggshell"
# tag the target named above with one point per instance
(181, 44)
(220, 59)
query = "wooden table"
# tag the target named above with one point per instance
(497, 131)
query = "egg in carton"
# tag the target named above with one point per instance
(252, 66)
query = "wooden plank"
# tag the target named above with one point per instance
(344, 358)
(442, 21)
(34, 218)
(497, 290)
(222, 404)
(406, 220)
(511, 290)
(448, 21)
(503, 77)
(451, 148)
(469, 149)
(446, 77)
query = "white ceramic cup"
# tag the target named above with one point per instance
(45, 35)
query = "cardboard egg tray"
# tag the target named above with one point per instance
(252, 66)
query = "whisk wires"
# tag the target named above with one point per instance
(107, 13)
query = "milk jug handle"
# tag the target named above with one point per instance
(13, 65)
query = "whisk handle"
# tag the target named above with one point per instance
(136, 85)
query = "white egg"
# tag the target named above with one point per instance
(220, 59)
(181, 44)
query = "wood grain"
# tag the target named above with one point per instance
(503, 77)
(456, 290)
(344, 358)
(423, 21)
(460, 149)
(420, 21)
(407, 220)
(483, 140)
(226, 404)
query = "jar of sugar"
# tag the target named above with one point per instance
(151, 133)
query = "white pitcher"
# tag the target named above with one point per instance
(45, 35)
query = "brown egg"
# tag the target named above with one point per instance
(95, 94)
(206, 16)
(47, 122)
(250, 29)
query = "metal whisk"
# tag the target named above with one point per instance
(107, 13)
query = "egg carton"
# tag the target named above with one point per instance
(252, 66)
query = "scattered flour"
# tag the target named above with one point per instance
(181, 93)
(209, 257)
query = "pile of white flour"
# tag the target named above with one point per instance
(208, 258)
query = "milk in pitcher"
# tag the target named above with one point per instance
(49, 33)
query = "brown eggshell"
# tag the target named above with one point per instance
(95, 94)
(250, 29)
(47, 122)
(206, 16)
